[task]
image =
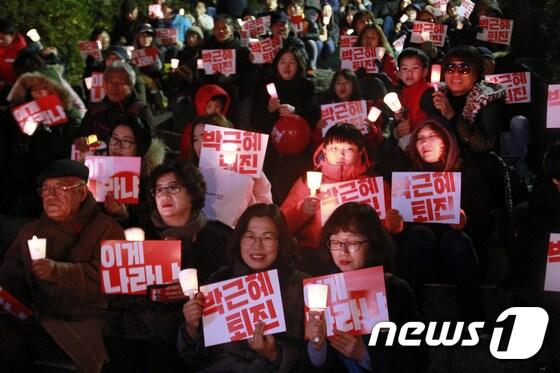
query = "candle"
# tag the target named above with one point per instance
(189, 281)
(182, 12)
(317, 300)
(436, 75)
(37, 248)
(230, 152)
(33, 35)
(349, 31)
(88, 82)
(134, 234)
(271, 89)
(392, 100)
(425, 36)
(99, 44)
(199, 64)
(379, 53)
(373, 114)
(314, 179)
(30, 127)
(403, 18)
(174, 63)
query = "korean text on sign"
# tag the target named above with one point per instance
(250, 151)
(265, 50)
(117, 175)
(166, 36)
(47, 110)
(553, 106)
(428, 31)
(427, 197)
(552, 278)
(359, 58)
(233, 307)
(97, 91)
(353, 112)
(366, 190)
(144, 57)
(517, 85)
(257, 26)
(466, 8)
(218, 61)
(495, 30)
(90, 48)
(129, 267)
(356, 300)
(8, 303)
(348, 41)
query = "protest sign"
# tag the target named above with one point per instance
(495, 30)
(359, 58)
(249, 153)
(90, 48)
(233, 307)
(47, 110)
(297, 24)
(356, 300)
(117, 175)
(517, 85)
(427, 197)
(129, 267)
(553, 106)
(428, 31)
(366, 190)
(166, 36)
(552, 278)
(353, 112)
(265, 50)
(14, 307)
(145, 56)
(257, 27)
(218, 61)
(466, 8)
(97, 90)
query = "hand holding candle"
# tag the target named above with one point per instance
(436, 76)
(189, 282)
(271, 89)
(37, 248)
(33, 35)
(314, 179)
(317, 300)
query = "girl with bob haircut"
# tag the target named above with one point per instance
(260, 242)
(352, 239)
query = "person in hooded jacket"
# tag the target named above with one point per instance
(11, 42)
(260, 242)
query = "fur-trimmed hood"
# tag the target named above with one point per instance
(154, 156)
(21, 92)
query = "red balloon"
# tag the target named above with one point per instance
(290, 134)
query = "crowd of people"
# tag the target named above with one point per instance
(462, 124)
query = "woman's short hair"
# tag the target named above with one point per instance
(300, 59)
(362, 219)
(189, 176)
(469, 55)
(345, 133)
(285, 240)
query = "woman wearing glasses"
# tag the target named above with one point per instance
(150, 327)
(353, 238)
(260, 242)
(474, 108)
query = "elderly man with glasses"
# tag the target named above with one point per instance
(62, 289)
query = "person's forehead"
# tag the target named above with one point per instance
(341, 143)
(167, 178)
(412, 60)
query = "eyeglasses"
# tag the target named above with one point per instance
(462, 68)
(58, 190)
(350, 246)
(266, 241)
(125, 144)
(167, 189)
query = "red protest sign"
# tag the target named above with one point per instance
(249, 153)
(517, 85)
(366, 190)
(97, 91)
(427, 197)
(552, 278)
(495, 30)
(265, 50)
(117, 175)
(356, 300)
(359, 58)
(297, 23)
(90, 48)
(233, 307)
(553, 106)
(348, 41)
(47, 110)
(218, 61)
(353, 112)
(166, 36)
(257, 27)
(14, 307)
(428, 31)
(145, 56)
(130, 267)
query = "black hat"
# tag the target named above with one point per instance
(63, 168)
(145, 27)
(118, 51)
(278, 16)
